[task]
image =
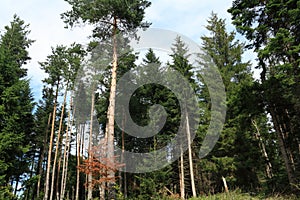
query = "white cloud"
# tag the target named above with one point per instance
(187, 17)
(47, 29)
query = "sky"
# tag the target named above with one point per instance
(187, 17)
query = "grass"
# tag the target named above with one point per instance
(236, 195)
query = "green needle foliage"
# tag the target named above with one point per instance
(273, 31)
(236, 145)
(16, 105)
(128, 13)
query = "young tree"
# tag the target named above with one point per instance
(111, 17)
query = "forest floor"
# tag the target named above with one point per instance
(244, 196)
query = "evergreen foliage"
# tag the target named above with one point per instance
(57, 148)
(16, 105)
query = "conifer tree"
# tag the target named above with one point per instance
(272, 30)
(181, 64)
(151, 184)
(226, 159)
(16, 105)
(111, 17)
(62, 67)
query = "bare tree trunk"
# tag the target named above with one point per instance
(282, 133)
(269, 172)
(285, 153)
(225, 184)
(42, 153)
(64, 158)
(90, 176)
(181, 175)
(111, 113)
(66, 173)
(57, 143)
(190, 155)
(123, 180)
(58, 172)
(78, 141)
(50, 145)
(66, 150)
(102, 191)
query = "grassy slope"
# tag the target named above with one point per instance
(241, 196)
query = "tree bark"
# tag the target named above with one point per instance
(225, 184)
(57, 143)
(111, 114)
(58, 172)
(269, 170)
(281, 140)
(51, 144)
(181, 175)
(78, 141)
(123, 180)
(190, 156)
(41, 159)
(65, 155)
(90, 176)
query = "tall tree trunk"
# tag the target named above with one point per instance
(16, 186)
(78, 141)
(57, 143)
(66, 173)
(82, 141)
(269, 170)
(58, 171)
(102, 191)
(122, 158)
(41, 159)
(111, 113)
(281, 140)
(190, 155)
(32, 170)
(51, 144)
(181, 175)
(66, 149)
(90, 176)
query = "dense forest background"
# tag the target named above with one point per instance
(48, 151)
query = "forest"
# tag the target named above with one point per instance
(114, 123)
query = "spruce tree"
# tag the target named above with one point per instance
(272, 30)
(229, 155)
(16, 105)
(151, 184)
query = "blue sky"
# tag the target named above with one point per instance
(187, 17)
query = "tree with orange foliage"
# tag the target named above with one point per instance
(99, 166)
